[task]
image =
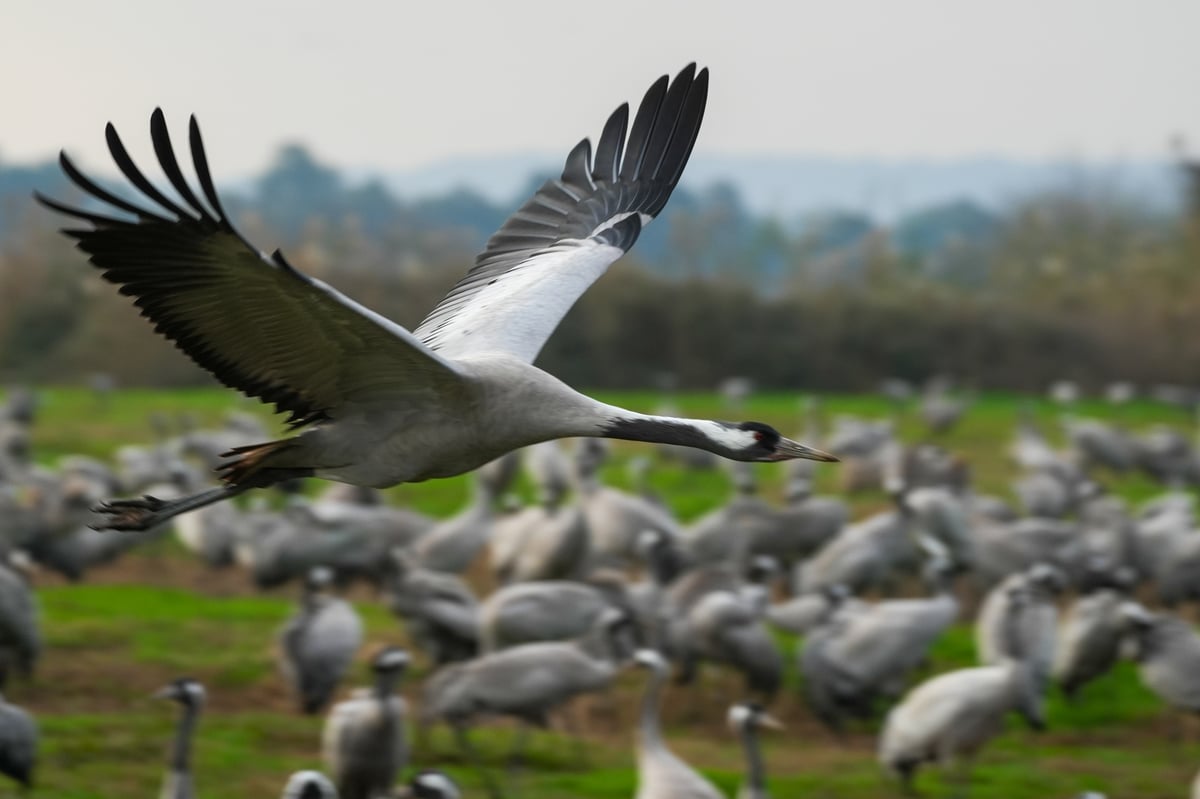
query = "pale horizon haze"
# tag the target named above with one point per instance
(395, 86)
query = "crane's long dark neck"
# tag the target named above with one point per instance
(310, 599)
(755, 773)
(665, 564)
(181, 752)
(385, 683)
(605, 642)
(629, 426)
(649, 727)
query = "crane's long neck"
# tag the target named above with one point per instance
(700, 433)
(648, 727)
(756, 777)
(385, 684)
(181, 752)
(483, 496)
(600, 644)
(551, 409)
(310, 599)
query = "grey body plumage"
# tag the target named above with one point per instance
(319, 642)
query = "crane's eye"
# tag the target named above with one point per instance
(758, 436)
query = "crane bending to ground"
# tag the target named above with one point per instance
(383, 405)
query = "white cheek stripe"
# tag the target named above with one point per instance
(438, 782)
(739, 715)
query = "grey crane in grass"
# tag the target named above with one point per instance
(727, 533)
(383, 405)
(1167, 651)
(18, 743)
(949, 718)
(191, 696)
(726, 627)
(614, 518)
(940, 410)
(1089, 639)
(319, 642)
(526, 682)
(1036, 635)
(661, 773)
(746, 719)
(547, 541)
(454, 543)
(869, 653)
(439, 610)
(363, 743)
(549, 610)
(309, 785)
(867, 552)
(20, 627)
(803, 614)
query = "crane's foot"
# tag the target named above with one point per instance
(132, 514)
(142, 514)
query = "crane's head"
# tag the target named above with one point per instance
(185, 691)
(391, 660)
(433, 785)
(647, 541)
(618, 631)
(762, 569)
(309, 785)
(319, 578)
(650, 660)
(747, 715)
(738, 441)
(758, 442)
(1047, 579)
(1134, 616)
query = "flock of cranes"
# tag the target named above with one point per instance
(595, 578)
(610, 578)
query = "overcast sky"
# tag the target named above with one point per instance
(396, 85)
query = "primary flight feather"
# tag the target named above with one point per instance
(382, 405)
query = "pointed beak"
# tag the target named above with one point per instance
(770, 722)
(166, 692)
(787, 450)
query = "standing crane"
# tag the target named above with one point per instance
(661, 774)
(319, 642)
(18, 743)
(746, 720)
(382, 405)
(363, 742)
(526, 682)
(178, 783)
(949, 718)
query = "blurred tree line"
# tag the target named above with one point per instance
(1078, 283)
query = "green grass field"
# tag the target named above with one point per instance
(158, 614)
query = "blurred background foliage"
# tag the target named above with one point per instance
(1079, 282)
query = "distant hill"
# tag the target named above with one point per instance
(753, 217)
(789, 187)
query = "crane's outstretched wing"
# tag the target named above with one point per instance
(252, 320)
(550, 251)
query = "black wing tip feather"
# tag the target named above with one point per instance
(634, 169)
(207, 213)
(665, 128)
(111, 239)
